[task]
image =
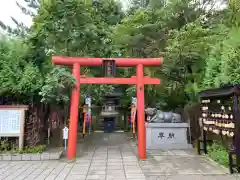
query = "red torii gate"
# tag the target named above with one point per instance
(139, 80)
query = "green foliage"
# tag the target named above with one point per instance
(26, 68)
(222, 65)
(84, 26)
(200, 48)
(18, 77)
(6, 146)
(234, 13)
(35, 149)
(157, 31)
(57, 86)
(218, 153)
(230, 58)
(185, 55)
(97, 92)
(86, 29)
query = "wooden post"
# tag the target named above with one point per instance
(237, 128)
(84, 123)
(72, 142)
(140, 113)
(133, 115)
(21, 136)
(84, 119)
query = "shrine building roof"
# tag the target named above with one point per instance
(227, 90)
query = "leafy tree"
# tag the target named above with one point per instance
(222, 65)
(18, 77)
(57, 86)
(82, 26)
(151, 32)
(199, 46)
(186, 53)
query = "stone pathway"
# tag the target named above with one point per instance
(182, 165)
(113, 157)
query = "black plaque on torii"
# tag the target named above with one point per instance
(109, 68)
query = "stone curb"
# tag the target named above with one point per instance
(31, 156)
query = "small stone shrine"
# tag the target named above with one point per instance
(165, 130)
(110, 111)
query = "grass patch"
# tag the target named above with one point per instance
(218, 153)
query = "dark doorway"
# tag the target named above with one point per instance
(109, 124)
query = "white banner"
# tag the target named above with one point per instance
(88, 102)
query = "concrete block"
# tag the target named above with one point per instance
(167, 136)
(60, 154)
(45, 156)
(16, 157)
(35, 157)
(26, 157)
(54, 156)
(6, 157)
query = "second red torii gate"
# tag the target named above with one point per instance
(139, 80)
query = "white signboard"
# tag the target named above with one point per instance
(10, 121)
(65, 133)
(65, 137)
(134, 100)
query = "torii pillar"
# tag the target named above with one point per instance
(139, 80)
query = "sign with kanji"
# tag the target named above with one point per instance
(171, 135)
(164, 135)
(109, 67)
(12, 122)
(161, 135)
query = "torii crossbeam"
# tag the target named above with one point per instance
(139, 80)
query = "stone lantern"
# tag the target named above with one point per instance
(110, 112)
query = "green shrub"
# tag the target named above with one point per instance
(6, 146)
(36, 149)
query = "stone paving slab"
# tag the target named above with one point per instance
(163, 164)
(116, 160)
(194, 177)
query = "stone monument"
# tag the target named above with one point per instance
(165, 130)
